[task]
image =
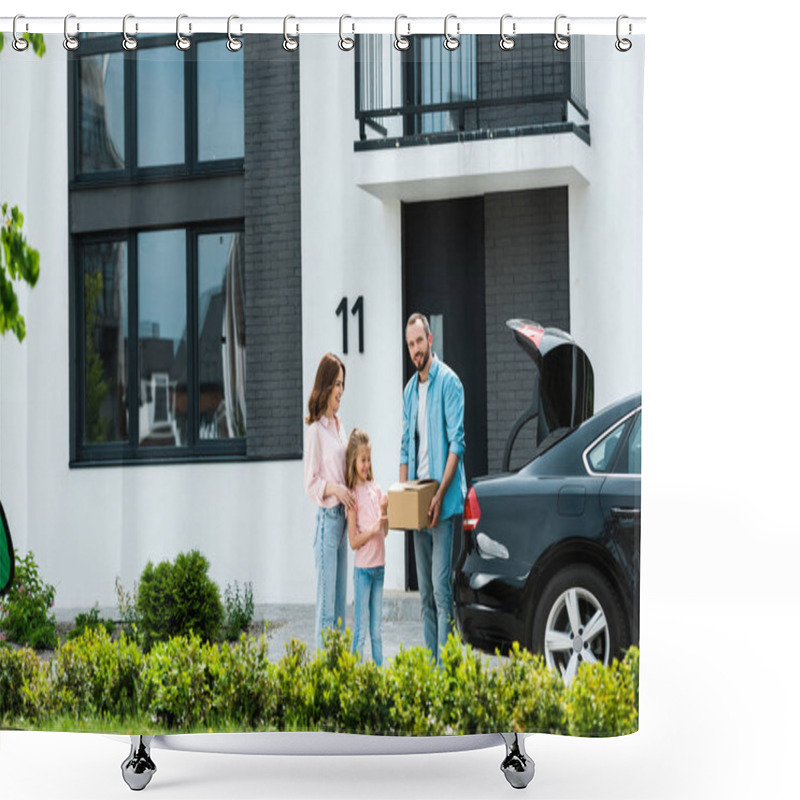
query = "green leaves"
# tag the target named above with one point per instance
(36, 40)
(18, 262)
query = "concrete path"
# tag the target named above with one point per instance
(402, 625)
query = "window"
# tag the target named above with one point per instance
(163, 366)
(156, 110)
(157, 224)
(619, 451)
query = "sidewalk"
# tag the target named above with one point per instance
(402, 624)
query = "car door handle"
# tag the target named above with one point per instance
(625, 513)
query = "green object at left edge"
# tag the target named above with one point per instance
(6, 554)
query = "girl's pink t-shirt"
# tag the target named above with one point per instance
(368, 515)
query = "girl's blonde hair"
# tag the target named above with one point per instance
(358, 438)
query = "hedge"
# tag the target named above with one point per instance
(187, 685)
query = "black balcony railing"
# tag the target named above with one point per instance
(431, 94)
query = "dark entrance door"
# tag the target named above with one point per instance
(444, 278)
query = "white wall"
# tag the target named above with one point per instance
(605, 224)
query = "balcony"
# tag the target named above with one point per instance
(428, 95)
(497, 120)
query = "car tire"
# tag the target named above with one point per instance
(579, 597)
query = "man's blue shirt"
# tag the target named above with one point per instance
(445, 413)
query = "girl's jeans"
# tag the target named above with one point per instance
(330, 558)
(368, 609)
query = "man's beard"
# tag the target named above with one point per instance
(426, 358)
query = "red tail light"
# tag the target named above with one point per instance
(472, 511)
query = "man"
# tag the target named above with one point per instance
(433, 447)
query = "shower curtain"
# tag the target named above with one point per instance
(186, 234)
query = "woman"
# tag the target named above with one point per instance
(326, 446)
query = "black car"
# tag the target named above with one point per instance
(550, 552)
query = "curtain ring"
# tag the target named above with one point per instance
(289, 43)
(623, 45)
(182, 43)
(233, 44)
(345, 43)
(560, 42)
(400, 42)
(18, 42)
(451, 42)
(128, 42)
(70, 42)
(507, 42)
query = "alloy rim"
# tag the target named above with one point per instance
(576, 633)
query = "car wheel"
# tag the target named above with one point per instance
(578, 619)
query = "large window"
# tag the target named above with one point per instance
(157, 228)
(162, 319)
(156, 110)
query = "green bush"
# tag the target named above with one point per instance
(188, 685)
(601, 701)
(177, 599)
(239, 609)
(413, 694)
(245, 686)
(93, 675)
(471, 700)
(90, 620)
(25, 611)
(177, 689)
(22, 685)
(533, 693)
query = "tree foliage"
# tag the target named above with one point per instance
(18, 260)
(36, 40)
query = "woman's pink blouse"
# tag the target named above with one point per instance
(326, 445)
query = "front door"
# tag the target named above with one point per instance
(444, 278)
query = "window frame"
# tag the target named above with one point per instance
(132, 172)
(132, 452)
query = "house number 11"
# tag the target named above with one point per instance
(358, 308)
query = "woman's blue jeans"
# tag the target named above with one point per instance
(368, 610)
(330, 558)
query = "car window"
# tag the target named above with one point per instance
(601, 456)
(630, 457)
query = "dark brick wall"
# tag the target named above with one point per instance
(534, 66)
(272, 249)
(527, 275)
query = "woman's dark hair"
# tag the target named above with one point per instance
(327, 374)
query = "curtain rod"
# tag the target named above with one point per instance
(404, 25)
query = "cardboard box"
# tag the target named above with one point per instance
(409, 503)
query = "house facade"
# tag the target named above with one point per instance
(211, 223)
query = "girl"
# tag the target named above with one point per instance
(325, 485)
(367, 526)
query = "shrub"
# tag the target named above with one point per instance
(238, 609)
(25, 614)
(22, 684)
(177, 689)
(93, 675)
(245, 686)
(413, 688)
(601, 701)
(90, 620)
(632, 661)
(471, 700)
(126, 604)
(533, 693)
(177, 599)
